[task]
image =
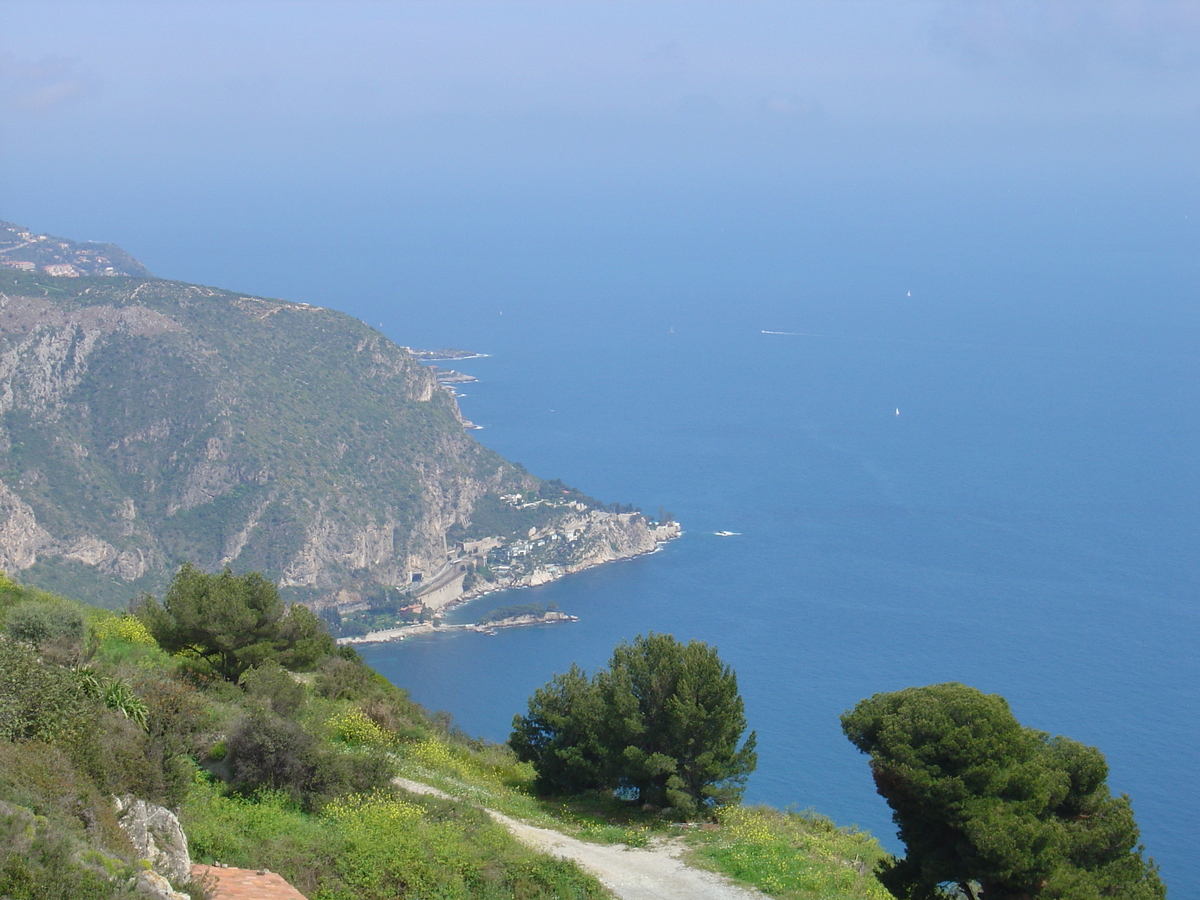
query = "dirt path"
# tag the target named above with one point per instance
(630, 873)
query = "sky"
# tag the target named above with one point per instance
(116, 113)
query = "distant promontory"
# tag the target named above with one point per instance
(147, 422)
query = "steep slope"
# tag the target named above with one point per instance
(145, 422)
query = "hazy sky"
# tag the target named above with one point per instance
(164, 117)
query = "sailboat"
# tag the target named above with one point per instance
(897, 410)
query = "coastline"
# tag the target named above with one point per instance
(401, 632)
(539, 577)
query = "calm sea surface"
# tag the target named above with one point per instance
(1026, 524)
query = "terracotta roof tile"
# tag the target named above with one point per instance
(244, 884)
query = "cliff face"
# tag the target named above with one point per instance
(145, 422)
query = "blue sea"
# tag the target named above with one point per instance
(956, 442)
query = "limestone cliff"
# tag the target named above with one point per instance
(146, 422)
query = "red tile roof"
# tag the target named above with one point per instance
(244, 884)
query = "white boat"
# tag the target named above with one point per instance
(726, 533)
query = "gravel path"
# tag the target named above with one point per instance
(630, 873)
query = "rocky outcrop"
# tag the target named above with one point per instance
(21, 537)
(153, 886)
(157, 837)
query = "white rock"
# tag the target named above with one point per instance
(156, 836)
(154, 886)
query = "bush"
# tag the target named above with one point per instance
(342, 679)
(271, 685)
(40, 702)
(266, 752)
(352, 727)
(39, 860)
(179, 721)
(126, 629)
(54, 627)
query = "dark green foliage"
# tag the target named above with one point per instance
(981, 800)
(42, 622)
(228, 623)
(275, 688)
(302, 639)
(40, 702)
(267, 752)
(178, 718)
(561, 735)
(664, 720)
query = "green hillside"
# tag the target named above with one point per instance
(290, 769)
(145, 422)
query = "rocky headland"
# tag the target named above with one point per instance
(147, 422)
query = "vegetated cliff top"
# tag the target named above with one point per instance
(23, 250)
(146, 422)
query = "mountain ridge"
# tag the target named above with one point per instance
(146, 422)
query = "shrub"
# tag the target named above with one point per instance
(352, 727)
(343, 679)
(41, 702)
(38, 860)
(46, 781)
(271, 685)
(55, 627)
(126, 629)
(178, 720)
(266, 752)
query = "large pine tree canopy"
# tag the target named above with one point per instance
(664, 720)
(992, 809)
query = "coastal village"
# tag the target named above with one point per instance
(580, 539)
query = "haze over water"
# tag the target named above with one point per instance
(983, 214)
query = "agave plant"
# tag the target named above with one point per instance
(119, 696)
(116, 695)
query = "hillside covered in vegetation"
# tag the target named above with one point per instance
(146, 422)
(290, 769)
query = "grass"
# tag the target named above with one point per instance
(377, 846)
(797, 856)
(790, 855)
